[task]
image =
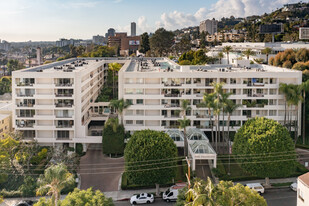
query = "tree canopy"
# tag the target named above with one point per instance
(161, 41)
(145, 45)
(263, 147)
(144, 154)
(225, 193)
(113, 137)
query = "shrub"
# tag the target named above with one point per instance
(79, 149)
(113, 141)
(13, 193)
(266, 148)
(28, 187)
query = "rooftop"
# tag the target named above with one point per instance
(305, 179)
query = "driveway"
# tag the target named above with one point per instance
(99, 171)
(202, 169)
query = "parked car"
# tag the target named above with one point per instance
(293, 186)
(142, 198)
(171, 193)
(25, 203)
(257, 187)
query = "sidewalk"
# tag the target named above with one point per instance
(272, 181)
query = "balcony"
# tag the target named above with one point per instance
(24, 105)
(24, 84)
(172, 95)
(25, 95)
(171, 105)
(64, 95)
(64, 85)
(63, 105)
(166, 84)
(64, 126)
(255, 95)
(64, 116)
(25, 124)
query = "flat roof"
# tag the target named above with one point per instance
(4, 116)
(6, 106)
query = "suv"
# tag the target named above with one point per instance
(257, 187)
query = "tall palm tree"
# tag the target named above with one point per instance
(230, 108)
(267, 51)
(218, 91)
(227, 50)
(296, 98)
(283, 88)
(185, 106)
(202, 193)
(114, 122)
(208, 99)
(120, 105)
(224, 102)
(248, 53)
(220, 56)
(54, 180)
(114, 67)
(183, 124)
(304, 87)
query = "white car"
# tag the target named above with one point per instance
(257, 187)
(293, 186)
(142, 198)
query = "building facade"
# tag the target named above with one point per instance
(303, 190)
(209, 26)
(126, 44)
(55, 103)
(133, 29)
(5, 118)
(156, 93)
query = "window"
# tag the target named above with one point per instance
(140, 122)
(63, 134)
(272, 112)
(197, 80)
(130, 101)
(139, 91)
(139, 112)
(129, 91)
(272, 91)
(139, 101)
(128, 122)
(233, 91)
(232, 81)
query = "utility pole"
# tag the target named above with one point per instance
(188, 174)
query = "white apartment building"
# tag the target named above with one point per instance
(303, 190)
(257, 47)
(55, 103)
(156, 93)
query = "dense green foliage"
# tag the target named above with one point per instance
(28, 187)
(195, 58)
(5, 85)
(225, 193)
(113, 138)
(86, 197)
(14, 65)
(143, 153)
(145, 45)
(161, 41)
(265, 147)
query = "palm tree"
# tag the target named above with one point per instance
(185, 106)
(54, 180)
(119, 106)
(183, 124)
(296, 98)
(218, 90)
(208, 99)
(220, 57)
(283, 88)
(248, 53)
(227, 50)
(230, 108)
(114, 67)
(304, 87)
(114, 122)
(267, 51)
(224, 102)
(202, 193)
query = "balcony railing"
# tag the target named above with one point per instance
(25, 125)
(63, 138)
(64, 95)
(63, 105)
(23, 84)
(24, 105)
(24, 95)
(64, 85)
(172, 95)
(64, 126)
(172, 84)
(64, 116)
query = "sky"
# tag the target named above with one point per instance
(49, 20)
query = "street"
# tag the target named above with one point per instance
(274, 197)
(280, 197)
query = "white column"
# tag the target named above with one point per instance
(215, 162)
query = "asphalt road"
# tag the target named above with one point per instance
(280, 197)
(274, 197)
(158, 202)
(100, 172)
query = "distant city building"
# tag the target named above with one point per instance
(110, 32)
(227, 36)
(5, 117)
(303, 190)
(39, 56)
(210, 26)
(98, 40)
(4, 45)
(304, 33)
(126, 44)
(133, 29)
(66, 42)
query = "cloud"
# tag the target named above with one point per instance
(87, 4)
(222, 8)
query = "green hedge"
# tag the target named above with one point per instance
(113, 142)
(5, 193)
